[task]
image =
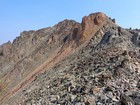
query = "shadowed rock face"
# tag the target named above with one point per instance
(87, 63)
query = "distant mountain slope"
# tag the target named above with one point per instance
(95, 62)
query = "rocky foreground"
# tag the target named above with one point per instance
(95, 62)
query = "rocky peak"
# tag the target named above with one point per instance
(88, 27)
(91, 23)
(65, 24)
(5, 49)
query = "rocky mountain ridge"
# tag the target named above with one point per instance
(95, 62)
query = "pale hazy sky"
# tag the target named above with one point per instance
(19, 15)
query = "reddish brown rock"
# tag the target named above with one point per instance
(91, 23)
(95, 90)
(89, 26)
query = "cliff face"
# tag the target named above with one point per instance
(87, 63)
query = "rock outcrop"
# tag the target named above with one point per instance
(95, 62)
(92, 23)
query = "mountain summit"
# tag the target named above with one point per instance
(95, 62)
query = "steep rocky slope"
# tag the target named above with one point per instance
(88, 63)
